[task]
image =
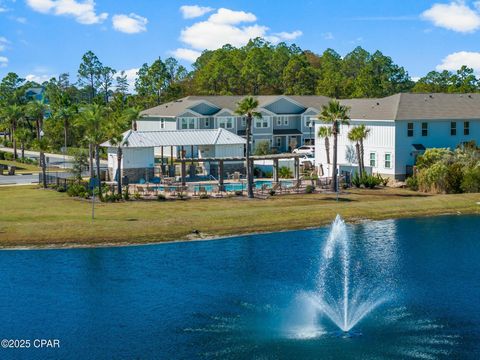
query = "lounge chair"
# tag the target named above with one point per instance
(277, 187)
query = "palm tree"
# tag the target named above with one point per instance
(22, 135)
(42, 145)
(94, 120)
(13, 114)
(247, 107)
(335, 114)
(36, 110)
(66, 114)
(354, 136)
(363, 133)
(325, 132)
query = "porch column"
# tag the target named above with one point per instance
(297, 168)
(171, 171)
(183, 171)
(275, 170)
(162, 166)
(191, 154)
(221, 187)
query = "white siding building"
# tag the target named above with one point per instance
(401, 127)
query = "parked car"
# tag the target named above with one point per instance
(305, 149)
(307, 158)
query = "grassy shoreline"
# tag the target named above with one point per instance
(30, 217)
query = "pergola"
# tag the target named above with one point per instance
(274, 157)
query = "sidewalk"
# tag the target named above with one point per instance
(52, 156)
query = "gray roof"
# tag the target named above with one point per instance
(196, 137)
(402, 106)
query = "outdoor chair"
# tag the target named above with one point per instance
(277, 187)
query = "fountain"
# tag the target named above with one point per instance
(344, 294)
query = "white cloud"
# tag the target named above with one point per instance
(186, 54)
(456, 16)
(3, 43)
(83, 11)
(3, 61)
(130, 24)
(456, 60)
(227, 16)
(131, 77)
(194, 11)
(328, 36)
(38, 78)
(225, 26)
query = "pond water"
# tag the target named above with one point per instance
(251, 296)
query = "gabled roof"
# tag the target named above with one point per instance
(142, 139)
(402, 106)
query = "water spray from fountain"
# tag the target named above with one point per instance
(343, 295)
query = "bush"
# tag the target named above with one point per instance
(356, 180)
(309, 189)
(8, 156)
(471, 180)
(61, 189)
(412, 183)
(285, 172)
(238, 192)
(126, 195)
(161, 197)
(2, 155)
(137, 196)
(77, 190)
(204, 196)
(263, 148)
(370, 181)
(271, 192)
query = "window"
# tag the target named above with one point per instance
(244, 122)
(278, 140)
(453, 128)
(285, 120)
(262, 122)
(410, 129)
(388, 160)
(373, 159)
(466, 128)
(225, 123)
(207, 122)
(424, 129)
(162, 124)
(187, 123)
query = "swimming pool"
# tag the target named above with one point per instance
(230, 186)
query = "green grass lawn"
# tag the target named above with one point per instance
(22, 168)
(31, 216)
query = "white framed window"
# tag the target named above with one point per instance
(162, 124)
(388, 161)
(278, 141)
(207, 122)
(263, 122)
(279, 120)
(187, 123)
(225, 123)
(373, 159)
(244, 122)
(285, 120)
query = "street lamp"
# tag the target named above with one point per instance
(310, 126)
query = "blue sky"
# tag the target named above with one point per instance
(43, 38)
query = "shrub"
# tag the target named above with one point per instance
(263, 148)
(309, 189)
(238, 192)
(204, 196)
(8, 156)
(356, 180)
(268, 174)
(61, 189)
(285, 172)
(471, 180)
(76, 190)
(412, 183)
(2, 155)
(271, 192)
(161, 197)
(126, 195)
(370, 181)
(137, 196)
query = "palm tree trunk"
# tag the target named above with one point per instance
(247, 155)
(97, 163)
(37, 128)
(90, 155)
(15, 154)
(334, 170)
(23, 150)
(359, 159)
(44, 169)
(362, 156)
(327, 149)
(119, 169)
